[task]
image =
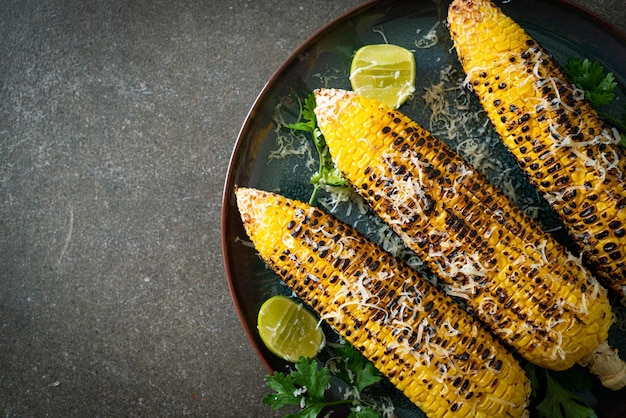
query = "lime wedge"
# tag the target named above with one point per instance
(288, 329)
(383, 72)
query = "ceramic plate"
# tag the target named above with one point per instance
(562, 28)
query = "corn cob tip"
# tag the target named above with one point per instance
(605, 363)
(468, 9)
(326, 99)
(246, 199)
(331, 94)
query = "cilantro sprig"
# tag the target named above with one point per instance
(556, 392)
(599, 87)
(353, 368)
(590, 76)
(306, 386)
(327, 173)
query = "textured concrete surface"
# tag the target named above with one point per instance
(117, 119)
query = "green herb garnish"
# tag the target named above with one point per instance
(355, 369)
(307, 384)
(555, 392)
(327, 173)
(599, 87)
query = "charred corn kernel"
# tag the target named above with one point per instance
(573, 159)
(526, 287)
(430, 348)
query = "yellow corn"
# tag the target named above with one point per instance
(527, 288)
(573, 159)
(430, 348)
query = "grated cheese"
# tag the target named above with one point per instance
(292, 143)
(430, 39)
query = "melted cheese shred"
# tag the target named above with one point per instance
(517, 279)
(430, 348)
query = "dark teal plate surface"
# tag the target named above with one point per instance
(562, 28)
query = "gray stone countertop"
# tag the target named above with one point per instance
(117, 121)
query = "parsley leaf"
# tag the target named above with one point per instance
(364, 412)
(311, 410)
(327, 173)
(557, 390)
(355, 369)
(308, 375)
(285, 391)
(307, 122)
(576, 378)
(589, 76)
(307, 384)
(599, 88)
(561, 403)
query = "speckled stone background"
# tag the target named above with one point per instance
(117, 120)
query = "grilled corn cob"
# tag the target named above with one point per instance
(430, 348)
(573, 159)
(528, 289)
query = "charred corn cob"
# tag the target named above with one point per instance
(528, 289)
(573, 159)
(430, 348)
